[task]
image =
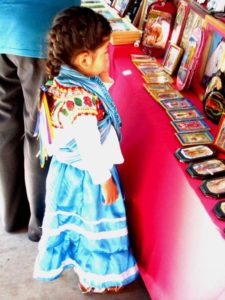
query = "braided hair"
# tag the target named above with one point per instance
(74, 30)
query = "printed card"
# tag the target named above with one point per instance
(179, 103)
(185, 114)
(190, 125)
(195, 138)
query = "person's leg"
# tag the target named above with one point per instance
(31, 74)
(13, 203)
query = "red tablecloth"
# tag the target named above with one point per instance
(178, 242)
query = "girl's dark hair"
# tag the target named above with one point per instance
(74, 30)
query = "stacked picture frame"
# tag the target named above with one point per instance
(123, 31)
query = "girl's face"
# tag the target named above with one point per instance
(100, 60)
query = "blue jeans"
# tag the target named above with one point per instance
(22, 181)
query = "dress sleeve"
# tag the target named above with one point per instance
(93, 154)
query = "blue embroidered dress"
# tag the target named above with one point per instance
(78, 229)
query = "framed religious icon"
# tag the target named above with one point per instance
(157, 27)
(206, 169)
(190, 59)
(172, 58)
(194, 20)
(149, 64)
(179, 23)
(194, 138)
(219, 210)
(214, 188)
(158, 78)
(142, 58)
(149, 71)
(219, 141)
(166, 95)
(122, 6)
(216, 55)
(162, 87)
(195, 153)
(185, 114)
(190, 125)
(178, 103)
(156, 32)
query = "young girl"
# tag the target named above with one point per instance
(85, 221)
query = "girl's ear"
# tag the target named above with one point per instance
(83, 61)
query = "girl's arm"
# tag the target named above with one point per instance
(94, 157)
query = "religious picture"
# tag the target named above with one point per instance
(188, 138)
(190, 125)
(219, 141)
(157, 29)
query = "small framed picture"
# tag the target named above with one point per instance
(172, 58)
(179, 22)
(166, 95)
(142, 58)
(185, 114)
(189, 59)
(108, 14)
(195, 138)
(207, 169)
(219, 210)
(178, 103)
(214, 188)
(195, 153)
(190, 125)
(158, 87)
(158, 78)
(94, 4)
(214, 59)
(149, 71)
(119, 25)
(121, 6)
(156, 33)
(150, 64)
(219, 141)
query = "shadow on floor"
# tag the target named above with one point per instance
(17, 255)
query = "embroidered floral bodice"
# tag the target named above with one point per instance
(76, 115)
(69, 103)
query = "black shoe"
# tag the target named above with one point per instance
(34, 234)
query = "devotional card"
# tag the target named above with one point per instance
(166, 95)
(195, 138)
(207, 169)
(195, 153)
(179, 103)
(214, 188)
(190, 125)
(185, 114)
(162, 87)
(219, 141)
(158, 78)
(172, 58)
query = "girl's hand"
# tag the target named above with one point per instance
(109, 191)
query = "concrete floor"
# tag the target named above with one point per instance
(17, 255)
